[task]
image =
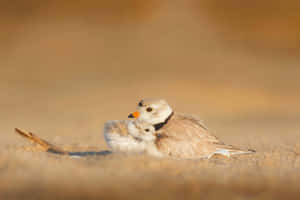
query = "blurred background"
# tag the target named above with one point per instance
(68, 66)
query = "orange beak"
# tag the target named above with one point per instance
(134, 115)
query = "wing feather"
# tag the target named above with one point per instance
(185, 136)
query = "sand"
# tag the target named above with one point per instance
(64, 73)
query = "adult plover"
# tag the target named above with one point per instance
(179, 135)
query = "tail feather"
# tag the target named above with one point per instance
(231, 150)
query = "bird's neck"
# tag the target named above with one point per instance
(162, 124)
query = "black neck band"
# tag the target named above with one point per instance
(160, 125)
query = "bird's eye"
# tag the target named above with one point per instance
(149, 109)
(147, 130)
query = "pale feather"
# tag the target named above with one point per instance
(185, 136)
(118, 138)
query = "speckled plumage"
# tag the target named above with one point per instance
(117, 137)
(131, 136)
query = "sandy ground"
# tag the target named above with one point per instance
(63, 77)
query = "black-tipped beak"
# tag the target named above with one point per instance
(134, 115)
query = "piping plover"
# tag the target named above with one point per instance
(141, 131)
(118, 138)
(131, 136)
(145, 133)
(181, 135)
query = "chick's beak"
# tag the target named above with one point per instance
(134, 115)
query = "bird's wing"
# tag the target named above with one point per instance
(188, 127)
(193, 118)
(186, 137)
(118, 138)
(229, 150)
(183, 149)
(118, 127)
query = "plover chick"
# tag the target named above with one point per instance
(146, 135)
(117, 137)
(131, 136)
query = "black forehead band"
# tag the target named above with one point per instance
(141, 103)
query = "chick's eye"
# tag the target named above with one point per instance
(149, 109)
(147, 130)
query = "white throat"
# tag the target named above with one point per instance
(160, 118)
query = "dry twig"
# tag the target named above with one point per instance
(43, 143)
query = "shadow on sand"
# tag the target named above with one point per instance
(90, 153)
(82, 153)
